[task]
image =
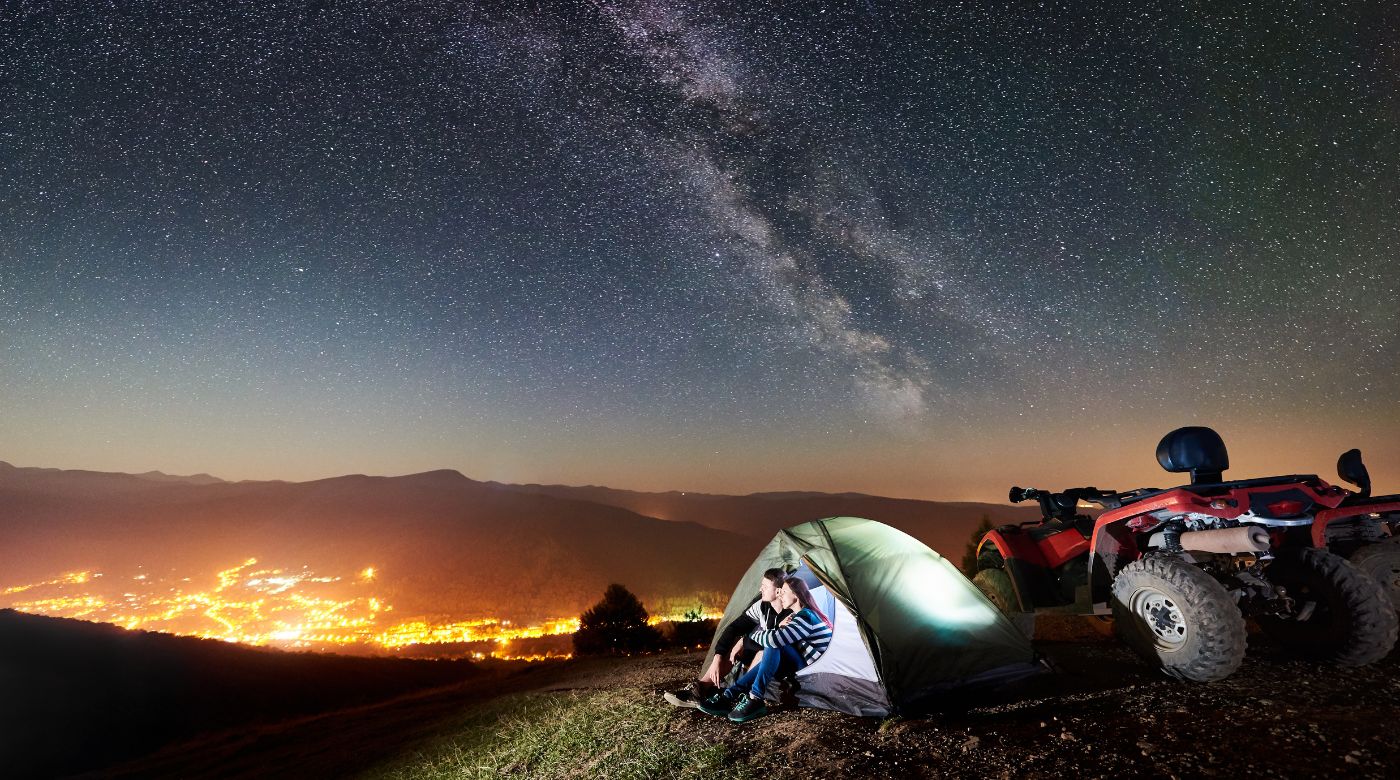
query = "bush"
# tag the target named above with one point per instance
(617, 624)
(689, 634)
(969, 559)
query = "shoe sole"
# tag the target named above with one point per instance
(676, 701)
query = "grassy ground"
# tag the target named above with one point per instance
(619, 734)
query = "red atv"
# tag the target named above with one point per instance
(1179, 569)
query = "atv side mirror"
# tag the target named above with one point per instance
(1351, 469)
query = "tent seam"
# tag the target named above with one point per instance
(866, 630)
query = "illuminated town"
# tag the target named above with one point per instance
(274, 607)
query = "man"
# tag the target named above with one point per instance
(735, 649)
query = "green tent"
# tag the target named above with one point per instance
(908, 627)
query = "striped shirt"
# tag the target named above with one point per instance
(807, 631)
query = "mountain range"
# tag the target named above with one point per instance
(445, 544)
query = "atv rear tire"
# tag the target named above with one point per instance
(1178, 618)
(1382, 563)
(1343, 615)
(995, 584)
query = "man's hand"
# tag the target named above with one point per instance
(712, 674)
(738, 648)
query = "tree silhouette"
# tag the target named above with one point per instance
(617, 624)
(969, 559)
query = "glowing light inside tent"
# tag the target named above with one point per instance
(931, 587)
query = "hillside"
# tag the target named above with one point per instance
(1103, 715)
(81, 695)
(942, 525)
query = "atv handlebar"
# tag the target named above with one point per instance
(1019, 494)
(1063, 504)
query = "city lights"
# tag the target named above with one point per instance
(296, 609)
(290, 609)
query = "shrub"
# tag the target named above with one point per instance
(969, 559)
(690, 634)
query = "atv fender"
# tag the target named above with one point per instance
(1021, 558)
(1380, 505)
(1112, 548)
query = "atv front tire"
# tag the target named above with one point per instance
(1341, 615)
(1382, 563)
(995, 584)
(1178, 618)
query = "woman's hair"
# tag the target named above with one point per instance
(804, 597)
(775, 576)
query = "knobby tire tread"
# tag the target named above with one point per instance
(1217, 646)
(996, 585)
(1372, 625)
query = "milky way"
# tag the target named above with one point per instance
(717, 246)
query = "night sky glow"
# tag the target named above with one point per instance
(920, 249)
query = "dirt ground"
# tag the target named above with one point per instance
(1101, 714)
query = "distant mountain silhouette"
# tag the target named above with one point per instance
(103, 482)
(445, 544)
(15, 472)
(943, 525)
(78, 695)
(192, 479)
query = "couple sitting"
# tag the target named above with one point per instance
(782, 632)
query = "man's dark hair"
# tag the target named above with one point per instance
(775, 576)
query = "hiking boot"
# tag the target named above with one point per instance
(748, 708)
(718, 705)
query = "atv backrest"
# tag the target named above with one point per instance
(1351, 469)
(1198, 450)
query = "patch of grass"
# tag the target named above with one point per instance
(572, 734)
(889, 723)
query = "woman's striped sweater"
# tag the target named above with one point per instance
(807, 631)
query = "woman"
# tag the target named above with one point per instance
(799, 641)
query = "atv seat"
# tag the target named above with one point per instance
(1355, 500)
(1217, 488)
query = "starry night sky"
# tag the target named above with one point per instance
(915, 251)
